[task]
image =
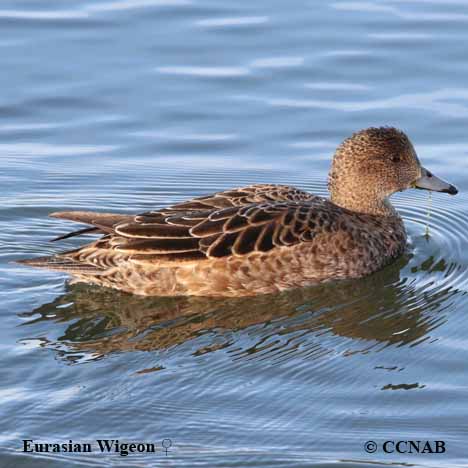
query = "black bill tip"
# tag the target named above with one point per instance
(452, 190)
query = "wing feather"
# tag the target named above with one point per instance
(153, 230)
(157, 245)
(236, 230)
(236, 222)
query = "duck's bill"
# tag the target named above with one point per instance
(429, 181)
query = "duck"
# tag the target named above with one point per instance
(259, 239)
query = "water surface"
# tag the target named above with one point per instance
(126, 106)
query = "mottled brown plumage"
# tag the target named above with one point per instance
(262, 238)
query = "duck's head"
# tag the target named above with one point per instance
(373, 164)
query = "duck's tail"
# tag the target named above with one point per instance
(61, 263)
(99, 223)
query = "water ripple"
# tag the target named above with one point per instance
(212, 72)
(240, 21)
(44, 149)
(440, 101)
(278, 62)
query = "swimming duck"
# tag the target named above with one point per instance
(261, 238)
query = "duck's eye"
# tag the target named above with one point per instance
(396, 158)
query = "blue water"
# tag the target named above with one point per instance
(130, 105)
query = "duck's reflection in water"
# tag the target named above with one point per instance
(383, 309)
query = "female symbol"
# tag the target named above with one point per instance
(166, 443)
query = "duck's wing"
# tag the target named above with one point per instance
(104, 222)
(231, 223)
(258, 193)
(237, 230)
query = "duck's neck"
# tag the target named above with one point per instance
(365, 204)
